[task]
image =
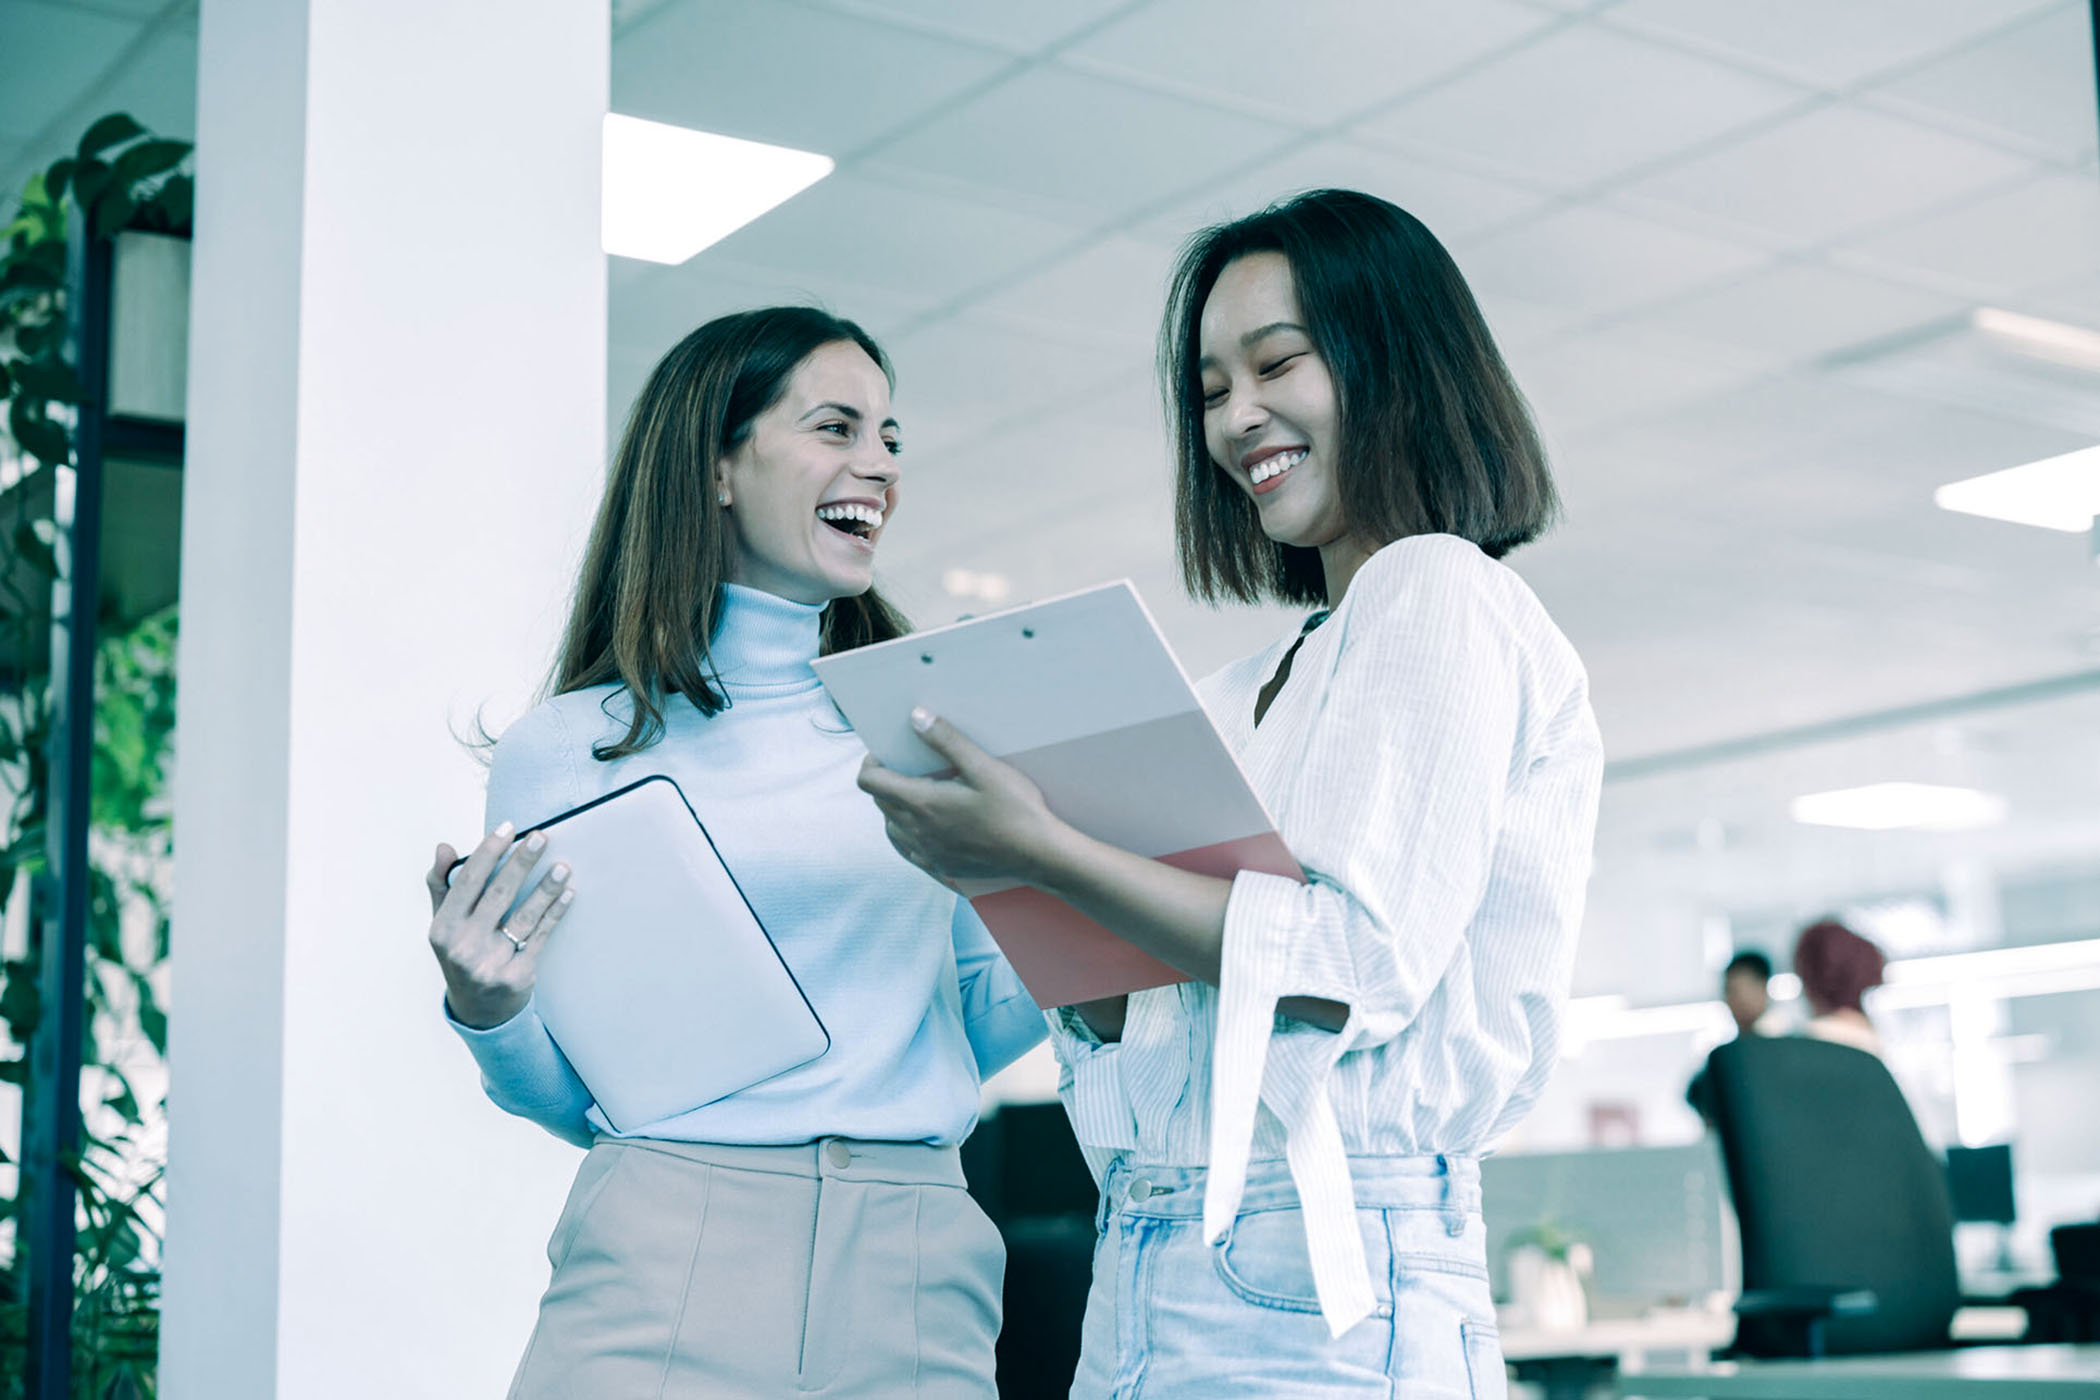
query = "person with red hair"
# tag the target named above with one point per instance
(1837, 968)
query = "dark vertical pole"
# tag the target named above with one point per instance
(52, 1133)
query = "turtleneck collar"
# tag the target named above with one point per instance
(763, 643)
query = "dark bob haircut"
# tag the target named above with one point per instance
(1435, 437)
(1836, 966)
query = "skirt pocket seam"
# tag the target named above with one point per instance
(568, 1231)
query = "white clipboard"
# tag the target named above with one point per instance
(1083, 695)
(660, 986)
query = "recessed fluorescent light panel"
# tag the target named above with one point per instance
(671, 191)
(1901, 807)
(2056, 493)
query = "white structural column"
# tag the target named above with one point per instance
(396, 435)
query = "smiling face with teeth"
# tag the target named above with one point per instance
(1271, 414)
(812, 484)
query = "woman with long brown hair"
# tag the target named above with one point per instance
(810, 1234)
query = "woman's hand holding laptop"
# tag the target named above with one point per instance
(489, 966)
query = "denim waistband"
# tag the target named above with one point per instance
(1440, 1181)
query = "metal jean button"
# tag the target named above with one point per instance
(838, 1154)
(1140, 1188)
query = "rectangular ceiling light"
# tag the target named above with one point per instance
(2056, 493)
(1901, 807)
(670, 191)
(2073, 347)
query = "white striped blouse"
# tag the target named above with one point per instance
(1434, 765)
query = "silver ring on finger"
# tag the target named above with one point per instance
(517, 944)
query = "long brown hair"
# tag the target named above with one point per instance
(650, 597)
(1435, 437)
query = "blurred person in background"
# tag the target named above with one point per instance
(1837, 968)
(1746, 989)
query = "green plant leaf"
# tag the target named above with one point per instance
(124, 1101)
(56, 179)
(48, 378)
(14, 1071)
(113, 210)
(30, 546)
(32, 274)
(148, 159)
(112, 130)
(7, 382)
(90, 178)
(154, 1022)
(174, 205)
(40, 437)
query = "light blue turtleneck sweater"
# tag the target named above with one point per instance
(919, 1003)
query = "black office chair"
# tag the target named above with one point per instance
(1026, 1171)
(1847, 1231)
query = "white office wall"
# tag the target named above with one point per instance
(396, 436)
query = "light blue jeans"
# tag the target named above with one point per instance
(1172, 1317)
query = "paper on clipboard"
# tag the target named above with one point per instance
(1082, 694)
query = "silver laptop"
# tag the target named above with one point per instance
(660, 985)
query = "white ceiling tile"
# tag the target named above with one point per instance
(1606, 377)
(2043, 232)
(1580, 106)
(1828, 173)
(1111, 293)
(1326, 62)
(873, 233)
(1073, 142)
(1798, 311)
(962, 375)
(1453, 204)
(1831, 44)
(2032, 84)
(52, 54)
(1517, 323)
(1019, 28)
(786, 74)
(1587, 261)
(651, 312)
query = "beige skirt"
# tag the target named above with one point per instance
(829, 1268)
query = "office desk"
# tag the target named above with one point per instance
(1977, 1373)
(1565, 1364)
(1624, 1339)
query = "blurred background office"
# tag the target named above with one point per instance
(1806, 296)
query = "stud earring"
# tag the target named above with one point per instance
(723, 500)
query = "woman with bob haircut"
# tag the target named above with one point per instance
(1837, 968)
(809, 1235)
(1288, 1144)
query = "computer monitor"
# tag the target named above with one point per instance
(1980, 1179)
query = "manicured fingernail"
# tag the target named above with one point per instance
(505, 830)
(559, 873)
(567, 897)
(535, 841)
(921, 718)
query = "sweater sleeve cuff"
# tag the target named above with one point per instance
(516, 1052)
